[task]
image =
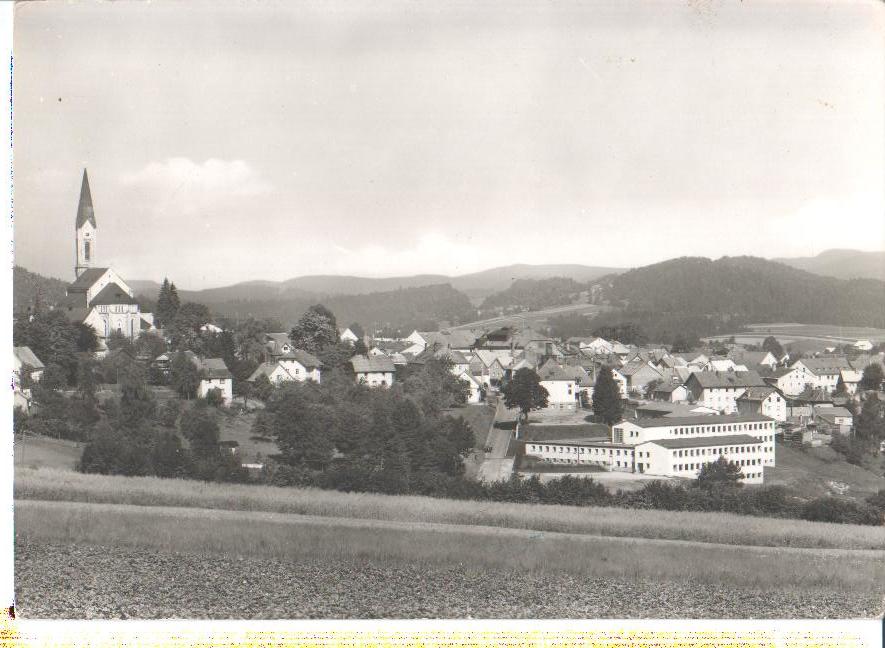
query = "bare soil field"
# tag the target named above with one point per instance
(94, 581)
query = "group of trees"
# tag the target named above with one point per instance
(535, 294)
(368, 439)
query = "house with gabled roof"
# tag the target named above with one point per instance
(639, 375)
(720, 390)
(26, 368)
(822, 372)
(374, 371)
(295, 365)
(763, 400)
(561, 386)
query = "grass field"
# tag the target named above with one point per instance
(719, 528)
(816, 472)
(144, 547)
(33, 451)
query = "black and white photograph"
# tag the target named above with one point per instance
(447, 310)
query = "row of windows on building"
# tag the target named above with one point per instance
(699, 452)
(573, 449)
(697, 466)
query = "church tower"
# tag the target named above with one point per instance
(86, 229)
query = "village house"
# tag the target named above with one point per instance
(822, 372)
(27, 368)
(763, 400)
(720, 390)
(851, 379)
(670, 392)
(295, 365)
(98, 296)
(477, 389)
(561, 386)
(832, 420)
(374, 371)
(788, 380)
(347, 336)
(214, 374)
(754, 359)
(639, 374)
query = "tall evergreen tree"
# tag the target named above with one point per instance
(163, 307)
(607, 403)
(174, 301)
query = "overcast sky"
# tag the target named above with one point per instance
(236, 141)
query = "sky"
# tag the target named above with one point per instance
(232, 141)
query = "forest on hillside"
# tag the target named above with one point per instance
(535, 294)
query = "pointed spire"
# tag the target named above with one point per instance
(85, 211)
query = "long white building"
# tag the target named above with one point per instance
(671, 447)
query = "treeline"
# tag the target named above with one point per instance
(536, 294)
(747, 289)
(30, 289)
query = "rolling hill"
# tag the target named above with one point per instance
(842, 264)
(26, 285)
(477, 285)
(748, 289)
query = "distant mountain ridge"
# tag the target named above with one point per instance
(842, 264)
(476, 285)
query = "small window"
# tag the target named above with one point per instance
(87, 250)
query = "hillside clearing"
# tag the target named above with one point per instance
(722, 528)
(816, 472)
(33, 451)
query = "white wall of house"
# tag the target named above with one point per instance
(775, 407)
(793, 383)
(721, 398)
(375, 378)
(826, 381)
(300, 372)
(224, 384)
(560, 393)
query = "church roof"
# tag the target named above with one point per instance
(112, 294)
(84, 281)
(85, 212)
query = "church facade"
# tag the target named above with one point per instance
(98, 296)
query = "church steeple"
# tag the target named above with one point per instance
(85, 212)
(86, 229)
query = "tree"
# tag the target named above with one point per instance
(149, 345)
(301, 424)
(316, 330)
(719, 472)
(185, 376)
(163, 312)
(872, 377)
(524, 391)
(870, 426)
(199, 427)
(652, 386)
(262, 388)
(117, 341)
(184, 329)
(87, 339)
(774, 347)
(137, 403)
(607, 403)
(87, 382)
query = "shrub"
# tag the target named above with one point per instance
(830, 509)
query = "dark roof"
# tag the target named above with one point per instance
(583, 430)
(215, 368)
(85, 212)
(756, 393)
(706, 441)
(112, 294)
(307, 360)
(375, 364)
(552, 371)
(584, 441)
(86, 279)
(698, 420)
(720, 379)
(830, 365)
(830, 413)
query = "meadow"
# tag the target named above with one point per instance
(715, 528)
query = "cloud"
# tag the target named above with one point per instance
(431, 253)
(193, 186)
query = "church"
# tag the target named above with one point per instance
(99, 296)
